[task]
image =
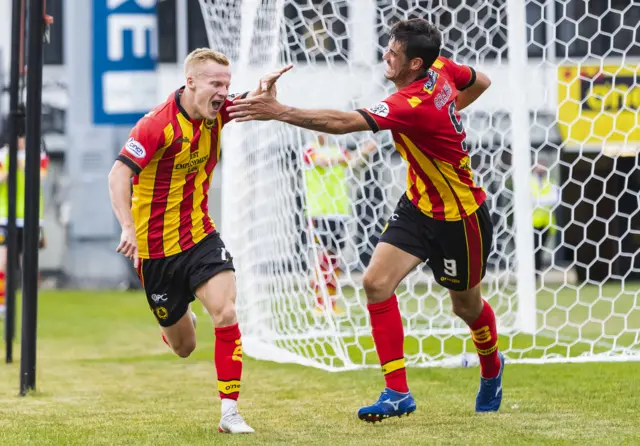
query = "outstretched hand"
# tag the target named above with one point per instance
(268, 81)
(260, 105)
(263, 107)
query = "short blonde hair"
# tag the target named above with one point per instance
(201, 55)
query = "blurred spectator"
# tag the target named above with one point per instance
(545, 195)
(328, 206)
(20, 198)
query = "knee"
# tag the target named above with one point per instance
(460, 309)
(184, 348)
(225, 315)
(376, 287)
(467, 305)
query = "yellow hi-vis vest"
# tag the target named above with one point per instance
(20, 186)
(326, 186)
(542, 214)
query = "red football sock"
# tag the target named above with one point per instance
(228, 359)
(388, 335)
(485, 338)
(3, 291)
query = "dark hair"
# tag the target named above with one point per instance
(419, 38)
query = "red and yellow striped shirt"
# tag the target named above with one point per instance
(429, 135)
(173, 157)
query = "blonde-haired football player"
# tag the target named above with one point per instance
(166, 228)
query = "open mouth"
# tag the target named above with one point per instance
(216, 104)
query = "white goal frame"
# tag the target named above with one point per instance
(261, 219)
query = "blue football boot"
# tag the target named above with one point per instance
(490, 393)
(390, 404)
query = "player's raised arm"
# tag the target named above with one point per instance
(324, 120)
(265, 107)
(469, 82)
(470, 94)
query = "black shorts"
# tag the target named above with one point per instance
(170, 283)
(4, 236)
(456, 251)
(329, 232)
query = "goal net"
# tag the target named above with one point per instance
(554, 142)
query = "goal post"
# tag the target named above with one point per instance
(521, 149)
(549, 142)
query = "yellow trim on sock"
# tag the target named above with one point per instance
(229, 387)
(481, 335)
(487, 351)
(392, 366)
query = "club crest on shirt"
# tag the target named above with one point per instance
(465, 163)
(380, 109)
(135, 148)
(208, 123)
(432, 79)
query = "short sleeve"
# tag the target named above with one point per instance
(391, 114)
(144, 140)
(463, 76)
(228, 102)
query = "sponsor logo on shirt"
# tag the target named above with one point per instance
(380, 109)
(158, 298)
(442, 97)
(135, 148)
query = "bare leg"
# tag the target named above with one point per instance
(181, 336)
(218, 295)
(389, 265)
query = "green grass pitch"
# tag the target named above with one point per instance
(572, 321)
(106, 378)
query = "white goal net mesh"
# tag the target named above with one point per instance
(568, 294)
